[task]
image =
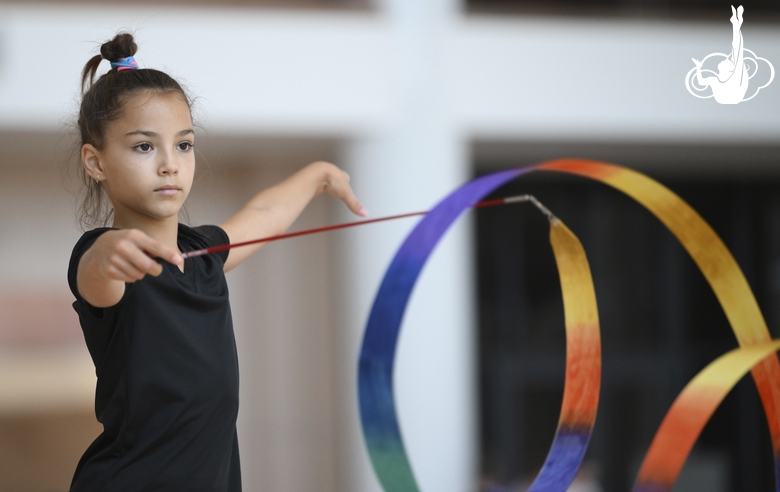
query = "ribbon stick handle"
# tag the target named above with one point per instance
(223, 247)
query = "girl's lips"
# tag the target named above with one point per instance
(167, 190)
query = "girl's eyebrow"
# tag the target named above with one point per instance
(155, 134)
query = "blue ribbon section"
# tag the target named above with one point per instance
(375, 368)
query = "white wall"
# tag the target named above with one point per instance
(315, 72)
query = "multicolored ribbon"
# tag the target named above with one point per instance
(375, 372)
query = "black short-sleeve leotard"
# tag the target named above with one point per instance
(167, 369)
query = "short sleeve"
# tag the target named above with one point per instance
(81, 247)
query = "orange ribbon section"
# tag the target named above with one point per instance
(691, 411)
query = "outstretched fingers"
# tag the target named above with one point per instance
(337, 185)
(349, 198)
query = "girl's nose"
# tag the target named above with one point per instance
(169, 165)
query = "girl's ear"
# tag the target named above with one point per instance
(90, 158)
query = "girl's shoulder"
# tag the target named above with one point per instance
(84, 242)
(82, 245)
(203, 233)
(202, 237)
(89, 237)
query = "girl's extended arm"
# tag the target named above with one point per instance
(273, 210)
(117, 257)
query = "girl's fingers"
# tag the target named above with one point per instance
(156, 249)
(132, 256)
(124, 270)
(146, 265)
(348, 197)
(355, 206)
(131, 251)
(340, 188)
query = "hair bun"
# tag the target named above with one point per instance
(120, 47)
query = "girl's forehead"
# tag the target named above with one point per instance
(155, 109)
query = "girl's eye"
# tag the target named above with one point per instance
(185, 146)
(143, 147)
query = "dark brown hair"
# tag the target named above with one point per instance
(102, 102)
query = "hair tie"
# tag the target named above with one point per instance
(127, 63)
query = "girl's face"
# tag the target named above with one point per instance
(148, 162)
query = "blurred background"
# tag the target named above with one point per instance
(412, 98)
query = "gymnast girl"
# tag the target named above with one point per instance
(158, 327)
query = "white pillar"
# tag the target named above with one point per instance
(409, 164)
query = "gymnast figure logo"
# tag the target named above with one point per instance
(735, 70)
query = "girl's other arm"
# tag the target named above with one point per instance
(117, 257)
(273, 210)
